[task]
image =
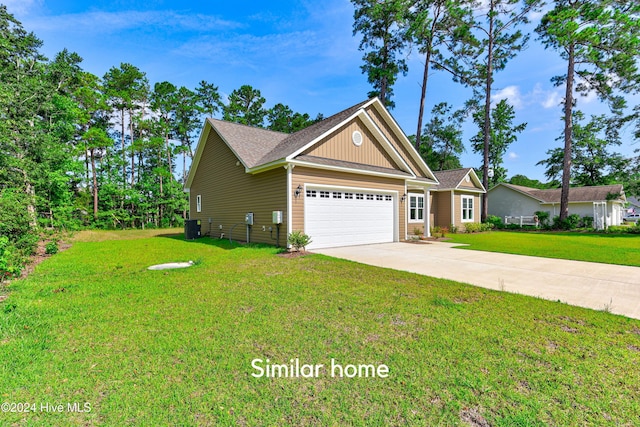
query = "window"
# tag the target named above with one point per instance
(388, 198)
(198, 203)
(416, 207)
(337, 195)
(311, 193)
(378, 196)
(369, 196)
(348, 195)
(359, 196)
(467, 208)
(324, 194)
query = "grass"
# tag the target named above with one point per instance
(92, 324)
(622, 249)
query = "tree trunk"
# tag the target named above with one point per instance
(423, 95)
(95, 184)
(487, 117)
(124, 154)
(133, 164)
(169, 157)
(568, 135)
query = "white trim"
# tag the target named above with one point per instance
(198, 203)
(189, 196)
(344, 169)
(417, 196)
(204, 135)
(427, 216)
(289, 169)
(369, 124)
(393, 193)
(473, 208)
(403, 137)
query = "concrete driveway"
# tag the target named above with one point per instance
(585, 284)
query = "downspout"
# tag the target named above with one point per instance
(289, 168)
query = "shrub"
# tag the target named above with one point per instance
(453, 229)
(496, 221)
(298, 240)
(543, 218)
(7, 267)
(587, 221)
(51, 248)
(417, 231)
(571, 223)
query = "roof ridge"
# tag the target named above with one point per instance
(257, 128)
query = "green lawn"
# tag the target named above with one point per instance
(175, 347)
(623, 249)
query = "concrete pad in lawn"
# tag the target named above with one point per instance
(585, 284)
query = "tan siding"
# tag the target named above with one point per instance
(304, 175)
(443, 209)
(470, 185)
(228, 193)
(391, 136)
(340, 146)
(458, 208)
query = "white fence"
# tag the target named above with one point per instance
(522, 220)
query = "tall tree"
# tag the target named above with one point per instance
(503, 134)
(246, 106)
(209, 99)
(382, 25)
(126, 88)
(432, 24)
(592, 162)
(281, 118)
(187, 122)
(23, 92)
(599, 40)
(477, 56)
(443, 138)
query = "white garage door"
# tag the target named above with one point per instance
(338, 217)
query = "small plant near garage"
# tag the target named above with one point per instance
(297, 239)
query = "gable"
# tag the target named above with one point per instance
(340, 146)
(394, 134)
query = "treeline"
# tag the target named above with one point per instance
(78, 150)
(598, 40)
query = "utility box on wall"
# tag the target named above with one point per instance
(277, 217)
(248, 218)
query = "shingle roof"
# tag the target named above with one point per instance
(576, 194)
(258, 146)
(249, 143)
(299, 139)
(451, 178)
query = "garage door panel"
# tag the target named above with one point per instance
(343, 221)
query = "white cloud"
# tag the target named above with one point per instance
(512, 155)
(551, 100)
(511, 94)
(109, 22)
(21, 7)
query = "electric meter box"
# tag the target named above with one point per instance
(248, 218)
(277, 217)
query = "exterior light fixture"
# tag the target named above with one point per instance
(404, 197)
(298, 191)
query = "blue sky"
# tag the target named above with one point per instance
(296, 52)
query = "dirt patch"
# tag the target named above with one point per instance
(40, 256)
(294, 254)
(473, 418)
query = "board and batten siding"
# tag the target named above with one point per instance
(228, 193)
(391, 136)
(339, 146)
(310, 176)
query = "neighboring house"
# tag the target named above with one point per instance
(455, 201)
(343, 181)
(604, 203)
(633, 205)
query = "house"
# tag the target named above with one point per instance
(347, 180)
(604, 203)
(456, 200)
